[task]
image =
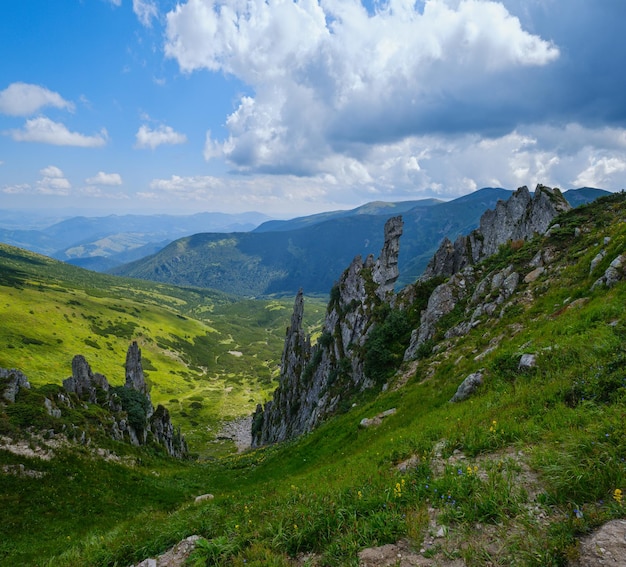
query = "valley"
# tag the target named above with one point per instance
(517, 473)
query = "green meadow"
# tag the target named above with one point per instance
(208, 357)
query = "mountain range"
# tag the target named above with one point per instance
(99, 243)
(280, 257)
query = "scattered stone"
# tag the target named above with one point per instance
(532, 276)
(176, 557)
(239, 431)
(596, 260)
(527, 361)
(409, 464)
(203, 497)
(468, 387)
(613, 274)
(377, 420)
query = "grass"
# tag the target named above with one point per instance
(195, 343)
(512, 476)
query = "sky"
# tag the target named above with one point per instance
(296, 107)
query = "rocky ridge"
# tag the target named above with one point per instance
(316, 379)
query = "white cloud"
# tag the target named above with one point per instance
(20, 189)
(146, 11)
(46, 131)
(600, 171)
(53, 182)
(330, 76)
(23, 99)
(102, 178)
(241, 193)
(51, 171)
(148, 138)
(116, 3)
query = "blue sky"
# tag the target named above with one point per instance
(291, 108)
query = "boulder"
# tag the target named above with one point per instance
(468, 387)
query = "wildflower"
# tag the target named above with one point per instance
(236, 526)
(295, 527)
(617, 495)
(578, 513)
(397, 491)
(359, 494)
(494, 426)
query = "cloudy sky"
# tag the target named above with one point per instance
(292, 108)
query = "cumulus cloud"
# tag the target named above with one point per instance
(600, 171)
(53, 182)
(24, 99)
(46, 131)
(148, 138)
(102, 178)
(240, 193)
(328, 77)
(146, 11)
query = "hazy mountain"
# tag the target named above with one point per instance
(114, 237)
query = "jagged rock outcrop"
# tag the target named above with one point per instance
(132, 416)
(135, 378)
(12, 380)
(519, 218)
(314, 380)
(83, 382)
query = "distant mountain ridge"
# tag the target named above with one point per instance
(280, 257)
(99, 243)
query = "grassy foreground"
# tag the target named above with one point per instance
(512, 476)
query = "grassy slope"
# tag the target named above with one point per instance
(516, 473)
(207, 356)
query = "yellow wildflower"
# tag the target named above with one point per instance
(617, 495)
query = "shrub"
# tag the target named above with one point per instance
(135, 404)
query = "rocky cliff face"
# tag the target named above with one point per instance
(315, 380)
(519, 218)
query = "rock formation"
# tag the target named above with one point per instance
(135, 378)
(519, 218)
(132, 416)
(314, 380)
(83, 382)
(317, 381)
(12, 380)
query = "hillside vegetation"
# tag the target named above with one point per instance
(514, 475)
(207, 357)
